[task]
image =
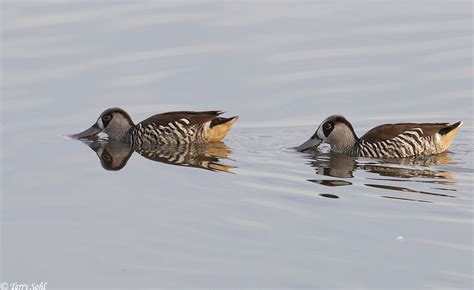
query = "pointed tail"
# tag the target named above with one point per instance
(219, 127)
(447, 134)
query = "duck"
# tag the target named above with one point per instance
(398, 140)
(180, 127)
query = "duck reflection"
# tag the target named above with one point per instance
(416, 169)
(342, 166)
(114, 155)
(333, 164)
(391, 167)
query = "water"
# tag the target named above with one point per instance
(250, 212)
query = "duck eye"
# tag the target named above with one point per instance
(327, 126)
(107, 118)
(106, 157)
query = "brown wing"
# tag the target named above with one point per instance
(194, 118)
(389, 131)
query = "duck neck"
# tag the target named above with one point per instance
(128, 136)
(119, 129)
(346, 144)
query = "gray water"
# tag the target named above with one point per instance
(250, 212)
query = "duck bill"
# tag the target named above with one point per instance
(87, 133)
(312, 142)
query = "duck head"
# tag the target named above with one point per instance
(115, 122)
(334, 130)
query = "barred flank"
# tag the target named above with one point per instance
(409, 143)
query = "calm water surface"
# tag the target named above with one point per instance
(249, 212)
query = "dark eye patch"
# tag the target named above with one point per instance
(106, 119)
(327, 128)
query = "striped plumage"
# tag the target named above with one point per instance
(182, 127)
(175, 132)
(385, 141)
(409, 143)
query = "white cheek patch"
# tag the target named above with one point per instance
(100, 124)
(320, 134)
